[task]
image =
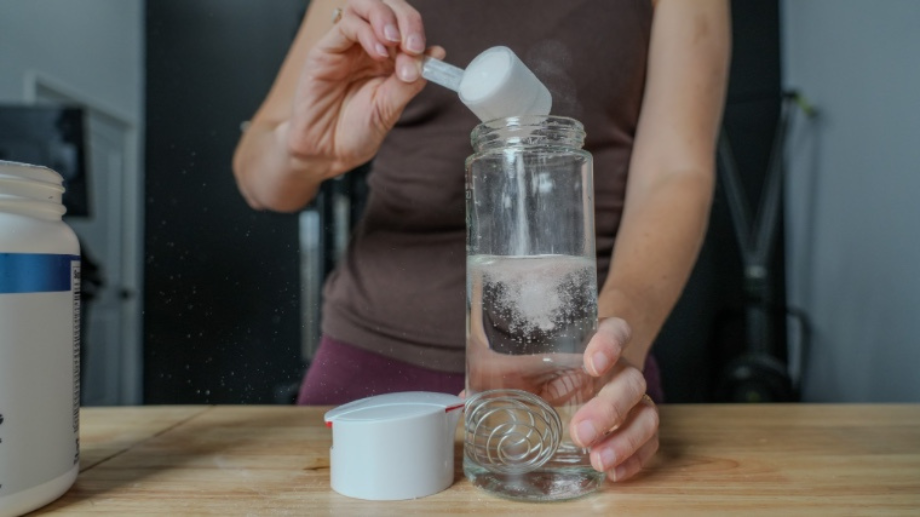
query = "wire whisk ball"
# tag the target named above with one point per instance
(511, 431)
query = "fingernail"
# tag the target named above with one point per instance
(415, 43)
(618, 473)
(391, 32)
(606, 458)
(586, 432)
(600, 362)
(408, 72)
(381, 50)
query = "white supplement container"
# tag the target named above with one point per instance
(39, 340)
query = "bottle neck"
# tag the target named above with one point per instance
(528, 131)
(31, 190)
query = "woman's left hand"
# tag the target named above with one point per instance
(620, 424)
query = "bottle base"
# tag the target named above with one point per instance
(20, 503)
(543, 484)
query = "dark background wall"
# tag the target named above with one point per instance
(222, 308)
(707, 329)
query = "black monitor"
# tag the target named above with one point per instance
(53, 136)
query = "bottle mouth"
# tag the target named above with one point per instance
(528, 130)
(29, 172)
(30, 188)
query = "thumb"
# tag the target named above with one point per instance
(606, 346)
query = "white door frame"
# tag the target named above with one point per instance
(128, 377)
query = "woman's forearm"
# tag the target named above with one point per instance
(269, 175)
(657, 245)
(672, 168)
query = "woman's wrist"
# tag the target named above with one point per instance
(270, 176)
(298, 164)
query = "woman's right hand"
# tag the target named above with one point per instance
(355, 83)
(340, 90)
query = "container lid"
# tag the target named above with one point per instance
(394, 446)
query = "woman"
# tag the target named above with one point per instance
(647, 78)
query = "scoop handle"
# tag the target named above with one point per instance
(442, 73)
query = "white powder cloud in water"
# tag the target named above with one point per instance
(538, 292)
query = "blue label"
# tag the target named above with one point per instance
(35, 272)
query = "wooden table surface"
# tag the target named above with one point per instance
(714, 459)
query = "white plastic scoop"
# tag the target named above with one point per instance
(496, 84)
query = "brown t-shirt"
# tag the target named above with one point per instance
(400, 290)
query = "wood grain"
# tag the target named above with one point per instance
(714, 459)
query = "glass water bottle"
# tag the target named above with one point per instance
(531, 307)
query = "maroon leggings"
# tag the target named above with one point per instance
(341, 373)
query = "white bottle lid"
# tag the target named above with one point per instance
(394, 446)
